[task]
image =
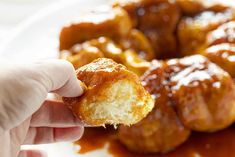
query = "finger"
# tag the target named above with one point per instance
(54, 114)
(59, 76)
(25, 87)
(32, 153)
(44, 135)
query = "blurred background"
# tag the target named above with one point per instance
(13, 12)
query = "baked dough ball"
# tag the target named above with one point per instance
(192, 31)
(192, 7)
(81, 54)
(114, 95)
(109, 22)
(223, 34)
(224, 56)
(157, 19)
(190, 94)
(131, 60)
(136, 41)
(204, 94)
(161, 130)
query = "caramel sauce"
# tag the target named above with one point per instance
(96, 138)
(219, 144)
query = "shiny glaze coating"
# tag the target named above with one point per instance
(110, 23)
(225, 33)
(81, 54)
(113, 23)
(223, 55)
(192, 31)
(203, 93)
(190, 93)
(108, 84)
(161, 130)
(157, 19)
(192, 7)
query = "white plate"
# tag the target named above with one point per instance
(37, 38)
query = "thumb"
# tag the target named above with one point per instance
(24, 88)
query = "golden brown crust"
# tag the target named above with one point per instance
(192, 31)
(100, 77)
(80, 55)
(161, 130)
(223, 55)
(223, 34)
(136, 41)
(113, 23)
(131, 60)
(157, 20)
(192, 7)
(190, 93)
(203, 93)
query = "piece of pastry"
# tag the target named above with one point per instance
(225, 33)
(162, 130)
(223, 55)
(157, 19)
(114, 95)
(192, 31)
(112, 23)
(204, 94)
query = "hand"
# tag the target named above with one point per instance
(25, 116)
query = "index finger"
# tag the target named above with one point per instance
(54, 114)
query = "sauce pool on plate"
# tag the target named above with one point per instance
(218, 144)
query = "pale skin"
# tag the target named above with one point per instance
(26, 117)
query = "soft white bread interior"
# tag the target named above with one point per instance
(114, 95)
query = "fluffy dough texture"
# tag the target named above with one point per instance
(114, 95)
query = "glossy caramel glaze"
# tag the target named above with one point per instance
(84, 53)
(96, 138)
(192, 31)
(80, 55)
(136, 41)
(190, 93)
(222, 55)
(219, 144)
(161, 130)
(203, 93)
(223, 34)
(192, 7)
(113, 23)
(161, 16)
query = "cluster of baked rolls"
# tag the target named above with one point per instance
(183, 52)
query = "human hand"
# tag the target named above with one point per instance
(25, 116)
